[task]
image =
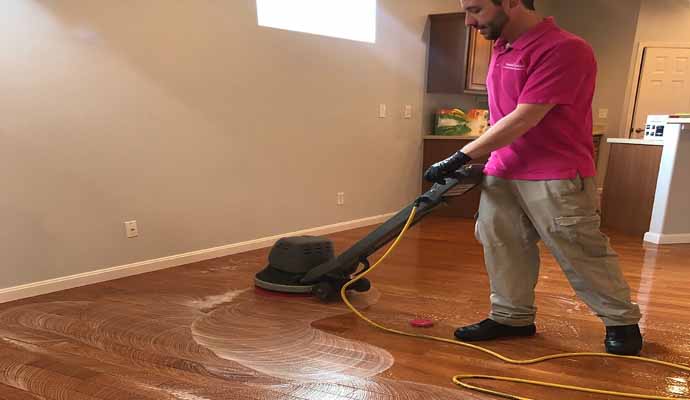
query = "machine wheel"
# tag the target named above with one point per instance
(325, 291)
(361, 285)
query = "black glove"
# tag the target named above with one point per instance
(442, 169)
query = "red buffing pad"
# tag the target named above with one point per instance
(422, 323)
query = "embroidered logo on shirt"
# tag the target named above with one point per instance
(515, 66)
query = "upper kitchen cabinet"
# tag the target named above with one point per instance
(478, 59)
(458, 57)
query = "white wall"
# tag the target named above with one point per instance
(664, 21)
(203, 127)
(610, 27)
(660, 21)
(615, 29)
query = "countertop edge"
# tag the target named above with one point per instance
(472, 137)
(635, 141)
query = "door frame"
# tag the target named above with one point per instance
(633, 86)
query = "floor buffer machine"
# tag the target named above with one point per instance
(307, 264)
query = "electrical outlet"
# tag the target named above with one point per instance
(603, 113)
(340, 198)
(407, 112)
(382, 111)
(131, 229)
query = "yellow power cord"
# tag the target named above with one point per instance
(458, 379)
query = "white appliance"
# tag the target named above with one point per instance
(670, 217)
(655, 127)
(658, 125)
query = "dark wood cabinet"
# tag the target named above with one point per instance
(447, 48)
(458, 56)
(436, 149)
(478, 59)
(630, 187)
(597, 148)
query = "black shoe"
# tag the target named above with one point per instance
(623, 340)
(490, 329)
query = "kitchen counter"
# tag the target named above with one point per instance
(646, 190)
(455, 137)
(631, 177)
(670, 222)
(437, 147)
(464, 206)
(599, 130)
(635, 141)
(444, 145)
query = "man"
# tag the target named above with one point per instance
(539, 178)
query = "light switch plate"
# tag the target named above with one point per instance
(407, 112)
(131, 229)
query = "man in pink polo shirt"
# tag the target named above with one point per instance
(539, 180)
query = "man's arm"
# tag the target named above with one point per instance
(512, 126)
(509, 128)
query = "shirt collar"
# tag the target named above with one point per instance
(528, 37)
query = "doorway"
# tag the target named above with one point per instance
(663, 85)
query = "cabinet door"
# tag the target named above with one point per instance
(630, 188)
(458, 56)
(447, 53)
(597, 145)
(478, 59)
(465, 206)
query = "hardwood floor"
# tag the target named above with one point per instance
(202, 332)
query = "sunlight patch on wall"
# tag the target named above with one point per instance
(346, 19)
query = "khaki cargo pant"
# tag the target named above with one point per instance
(515, 214)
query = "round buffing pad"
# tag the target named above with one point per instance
(422, 323)
(268, 293)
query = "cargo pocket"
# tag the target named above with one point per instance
(583, 234)
(488, 234)
(577, 184)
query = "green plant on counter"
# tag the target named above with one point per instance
(451, 122)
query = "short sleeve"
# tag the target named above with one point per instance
(559, 74)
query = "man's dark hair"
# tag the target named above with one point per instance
(527, 3)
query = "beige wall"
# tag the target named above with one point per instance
(664, 21)
(205, 128)
(209, 130)
(609, 26)
(660, 21)
(615, 29)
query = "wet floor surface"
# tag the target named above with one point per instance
(201, 331)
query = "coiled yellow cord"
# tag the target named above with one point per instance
(458, 379)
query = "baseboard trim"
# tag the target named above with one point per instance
(108, 274)
(660, 238)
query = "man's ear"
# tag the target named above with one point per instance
(514, 3)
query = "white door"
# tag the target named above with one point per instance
(664, 86)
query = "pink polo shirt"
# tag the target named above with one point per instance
(546, 65)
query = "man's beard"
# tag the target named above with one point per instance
(494, 28)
